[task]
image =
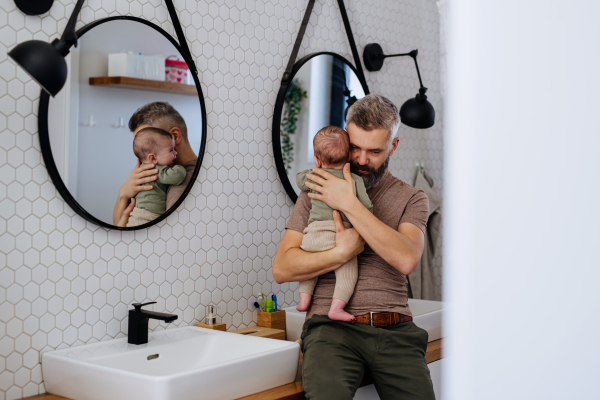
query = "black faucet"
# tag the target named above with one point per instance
(138, 322)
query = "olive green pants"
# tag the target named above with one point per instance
(338, 354)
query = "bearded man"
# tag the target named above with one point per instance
(389, 243)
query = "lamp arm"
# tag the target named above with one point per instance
(412, 54)
(395, 55)
(69, 35)
(418, 73)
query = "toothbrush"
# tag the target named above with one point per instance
(257, 306)
(261, 300)
(274, 301)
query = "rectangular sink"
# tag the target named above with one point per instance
(175, 364)
(427, 315)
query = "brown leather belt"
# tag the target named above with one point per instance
(382, 318)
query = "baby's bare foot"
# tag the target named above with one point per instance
(305, 299)
(341, 315)
(337, 313)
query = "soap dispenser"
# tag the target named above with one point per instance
(211, 318)
(210, 321)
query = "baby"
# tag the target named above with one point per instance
(332, 147)
(155, 146)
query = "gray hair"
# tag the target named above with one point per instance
(374, 112)
(158, 113)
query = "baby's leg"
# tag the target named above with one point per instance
(140, 216)
(318, 236)
(345, 280)
(306, 290)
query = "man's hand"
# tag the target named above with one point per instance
(339, 194)
(134, 184)
(292, 264)
(126, 213)
(347, 241)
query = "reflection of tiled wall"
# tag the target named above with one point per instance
(66, 282)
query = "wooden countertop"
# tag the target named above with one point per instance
(291, 391)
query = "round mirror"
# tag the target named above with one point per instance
(125, 74)
(322, 87)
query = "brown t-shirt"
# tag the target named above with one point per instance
(175, 192)
(380, 287)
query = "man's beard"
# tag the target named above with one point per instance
(373, 176)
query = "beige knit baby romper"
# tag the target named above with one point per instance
(319, 235)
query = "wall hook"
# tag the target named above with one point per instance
(121, 124)
(91, 121)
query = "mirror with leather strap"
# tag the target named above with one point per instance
(316, 91)
(126, 74)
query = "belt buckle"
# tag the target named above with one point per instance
(371, 316)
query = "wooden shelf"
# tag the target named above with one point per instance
(126, 82)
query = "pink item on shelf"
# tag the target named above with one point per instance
(177, 72)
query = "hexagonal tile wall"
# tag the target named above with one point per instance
(65, 282)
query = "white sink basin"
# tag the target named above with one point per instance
(175, 364)
(427, 315)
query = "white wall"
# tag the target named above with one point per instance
(522, 172)
(66, 282)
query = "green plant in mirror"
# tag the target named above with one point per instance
(292, 106)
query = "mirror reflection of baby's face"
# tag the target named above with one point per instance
(166, 154)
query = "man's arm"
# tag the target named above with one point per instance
(140, 175)
(292, 264)
(401, 248)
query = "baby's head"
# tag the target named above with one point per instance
(332, 147)
(154, 146)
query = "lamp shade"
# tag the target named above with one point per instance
(418, 112)
(34, 7)
(44, 62)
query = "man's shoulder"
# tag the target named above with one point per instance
(396, 188)
(390, 182)
(190, 166)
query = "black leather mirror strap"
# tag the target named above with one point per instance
(287, 75)
(181, 37)
(288, 71)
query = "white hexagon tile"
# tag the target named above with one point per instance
(64, 281)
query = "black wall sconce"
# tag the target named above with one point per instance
(34, 7)
(416, 113)
(45, 62)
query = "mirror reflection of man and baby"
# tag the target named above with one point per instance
(348, 201)
(166, 163)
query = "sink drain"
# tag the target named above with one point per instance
(152, 357)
